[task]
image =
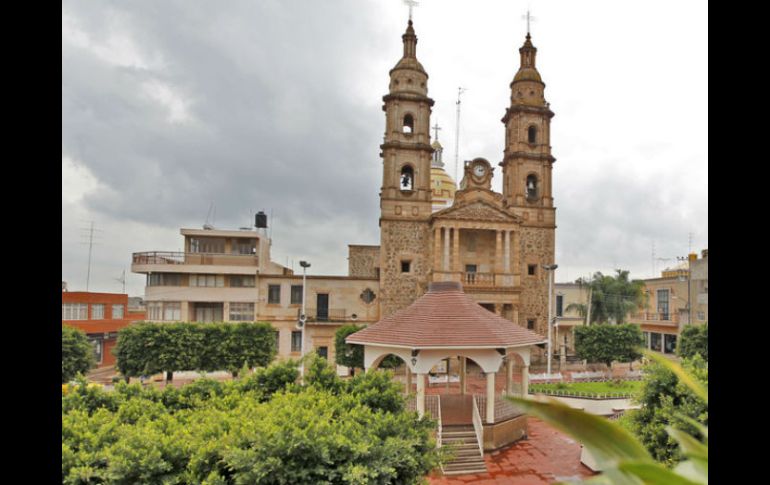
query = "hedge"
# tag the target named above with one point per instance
(149, 348)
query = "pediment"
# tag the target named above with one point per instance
(476, 211)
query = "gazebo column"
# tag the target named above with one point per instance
(490, 397)
(463, 380)
(421, 394)
(509, 376)
(524, 380)
(408, 380)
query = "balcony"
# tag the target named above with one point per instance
(661, 318)
(328, 315)
(478, 279)
(471, 279)
(170, 257)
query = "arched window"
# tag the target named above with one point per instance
(532, 134)
(531, 187)
(408, 124)
(407, 178)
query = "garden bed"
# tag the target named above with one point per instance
(589, 390)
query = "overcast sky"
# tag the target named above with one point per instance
(179, 112)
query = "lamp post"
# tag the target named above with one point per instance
(550, 268)
(303, 317)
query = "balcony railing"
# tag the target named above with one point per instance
(478, 279)
(331, 315)
(657, 317)
(172, 257)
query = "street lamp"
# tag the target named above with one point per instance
(550, 268)
(303, 316)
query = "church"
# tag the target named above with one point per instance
(495, 244)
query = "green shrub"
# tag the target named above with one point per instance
(608, 343)
(694, 339)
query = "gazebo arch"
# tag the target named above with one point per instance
(445, 321)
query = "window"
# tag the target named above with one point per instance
(323, 352)
(74, 311)
(296, 294)
(530, 324)
(207, 245)
(277, 339)
(559, 305)
(164, 279)
(296, 341)
(368, 296)
(97, 345)
(172, 311)
(669, 344)
(408, 124)
(701, 316)
(531, 268)
(244, 246)
(208, 280)
(646, 336)
(164, 311)
(97, 311)
(241, 312)
(274, 294)
(532, 134)
(242, 281)
(655, 342)
(663, 304)
(407, 178)
(405, 266)
(117, 312)
(531, 187)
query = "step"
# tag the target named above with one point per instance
(466, 453)
(470, 470)
(468, 440)
(457, 434)
(465, 460)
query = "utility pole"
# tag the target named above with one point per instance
(550, 268)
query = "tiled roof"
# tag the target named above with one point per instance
(445, 317)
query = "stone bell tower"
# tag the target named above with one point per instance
(405, 196)
(527, 190)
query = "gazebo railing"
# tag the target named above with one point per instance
(503, 408)
(478, 427)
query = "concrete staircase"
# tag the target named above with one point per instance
(461, 438)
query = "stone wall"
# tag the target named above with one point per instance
(363, 261)
(537, 247)
(403, 241)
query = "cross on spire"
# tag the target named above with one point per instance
(528, 18)
(411, 3)
(435, 131)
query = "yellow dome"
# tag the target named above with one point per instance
(443, 188)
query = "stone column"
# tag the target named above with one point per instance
(445, 265)
(516, 253)
(507, 254)
(509, 376)
(421, 394)
(456, 249)
(490, 397)
(498, 251)
(436, 249)
(463, 380)
(524, 381)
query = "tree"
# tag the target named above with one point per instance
(694, 339)
(614, 297)
(349, 355)
(77, 354)
(665, 401)
(608, 343)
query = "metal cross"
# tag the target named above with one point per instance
(435, 131)
(411, 3)
(528, 18)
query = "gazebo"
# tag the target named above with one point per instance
(447, 322)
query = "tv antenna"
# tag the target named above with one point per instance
(122, 279)
(90, 243)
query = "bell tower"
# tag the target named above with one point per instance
(527, 190)
(405, 195)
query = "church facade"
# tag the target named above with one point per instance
(495, 244)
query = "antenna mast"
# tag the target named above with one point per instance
(460, 90)
(90, 246)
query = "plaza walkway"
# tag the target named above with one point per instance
(547, 456)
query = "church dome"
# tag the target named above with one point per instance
(527, 74)
(442, 188)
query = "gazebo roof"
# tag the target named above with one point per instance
(445, 317)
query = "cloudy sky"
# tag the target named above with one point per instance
(179, 112)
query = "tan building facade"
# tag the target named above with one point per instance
(495, 244)
(566, 296)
